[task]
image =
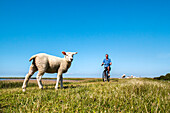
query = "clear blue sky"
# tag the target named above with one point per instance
(135, 33)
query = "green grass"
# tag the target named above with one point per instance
(119, 95)
(7, 84)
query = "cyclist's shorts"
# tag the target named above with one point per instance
(105, 68)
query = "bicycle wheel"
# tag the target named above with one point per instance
(103, 75)
(108, 78)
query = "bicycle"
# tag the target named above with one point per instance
(105, 76)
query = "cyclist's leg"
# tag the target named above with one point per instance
(108, 69)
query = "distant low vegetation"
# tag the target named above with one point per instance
(7, 84)
(162, 77)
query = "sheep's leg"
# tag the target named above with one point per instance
(61, 80)
(32, 70)
(39, 76)
(58, 79)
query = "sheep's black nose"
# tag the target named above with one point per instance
(71, 59)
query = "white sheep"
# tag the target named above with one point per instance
(44, 63)
(123, 76)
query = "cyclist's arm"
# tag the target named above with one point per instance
(110, 62)
(103, 62)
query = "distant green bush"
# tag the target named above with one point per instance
(162, 77)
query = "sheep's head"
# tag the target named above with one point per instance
(69, 56)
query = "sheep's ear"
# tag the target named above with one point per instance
(64, 53)
(75, 52)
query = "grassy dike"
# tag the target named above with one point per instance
(119, 95)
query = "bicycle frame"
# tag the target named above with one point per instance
(105, 76)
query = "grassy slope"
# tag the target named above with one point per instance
(125, 95)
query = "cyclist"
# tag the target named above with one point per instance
(107, 63)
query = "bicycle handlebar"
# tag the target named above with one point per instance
(103, 64)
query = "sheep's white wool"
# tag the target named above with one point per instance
(123, 76)
(44, 63)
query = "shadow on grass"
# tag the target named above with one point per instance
(5, 84)
(75, 86)
(64, 87)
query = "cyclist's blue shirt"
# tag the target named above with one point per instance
(107, 62)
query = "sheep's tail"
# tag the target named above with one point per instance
(33, 57)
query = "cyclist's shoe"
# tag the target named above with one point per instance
(109, 74)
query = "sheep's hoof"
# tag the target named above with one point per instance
(41, 88)
(23, 90)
